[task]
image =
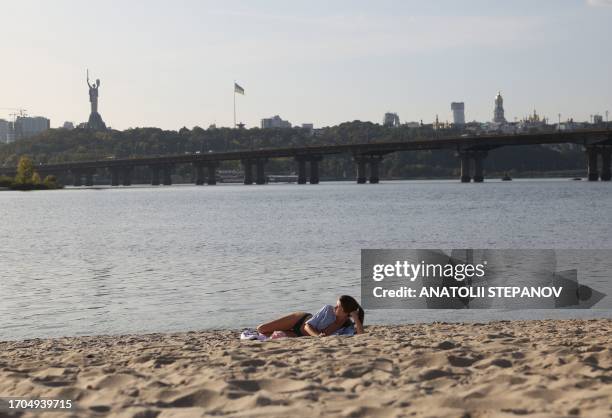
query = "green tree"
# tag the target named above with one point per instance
(25, 171)
(36, 178)
(50, 182)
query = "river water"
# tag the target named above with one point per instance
(145, 259)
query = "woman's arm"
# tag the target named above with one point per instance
(335, 326)
(311, 330)
(358, 324)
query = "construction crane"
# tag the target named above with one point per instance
(17, 112)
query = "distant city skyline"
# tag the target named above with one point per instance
(170, 65)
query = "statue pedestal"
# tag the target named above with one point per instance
(95, 122)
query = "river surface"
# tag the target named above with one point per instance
(145, 259)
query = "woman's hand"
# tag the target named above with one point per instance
(355, 316)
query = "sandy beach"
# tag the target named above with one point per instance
(545, 368)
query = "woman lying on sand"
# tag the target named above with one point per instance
(328, 321)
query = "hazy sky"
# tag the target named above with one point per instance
(172, 63)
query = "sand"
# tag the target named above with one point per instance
(500, 369)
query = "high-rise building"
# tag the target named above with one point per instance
(597, 119)
(5, 128)
(27, 126)
(274, 122)
(458, 109)
(391, 120)
(498, 113)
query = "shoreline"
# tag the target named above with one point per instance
(498, 368)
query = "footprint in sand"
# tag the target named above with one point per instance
(462, 361)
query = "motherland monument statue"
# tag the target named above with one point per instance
(95, 122)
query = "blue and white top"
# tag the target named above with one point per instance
(325, 317)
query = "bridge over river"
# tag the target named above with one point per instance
(470, 150)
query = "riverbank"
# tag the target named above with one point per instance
(508, 368)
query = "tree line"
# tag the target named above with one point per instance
(60, 145)
(28, 179)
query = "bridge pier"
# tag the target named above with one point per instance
(114, 176)
(467, 157)
(478, 166)
(261, 175)
(127, 175)
(606, 174)
(248, 171)
(155, 175)
(314, 168)
(466, 177)
(212, 173)
(89, 177)
(361, 169)
(199, 173)
(363, 161)
(167, 174)
(77, 178)
(592, 172)
(374, 163)
(301, 160)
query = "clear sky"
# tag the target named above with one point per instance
(172, 63)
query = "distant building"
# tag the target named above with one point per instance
(274, 122)
(498, 113)
(413, 124)
(68, 125)
(391, 120)
(27, 126)
(533, 123)
(597, 119)
(458, 109)
(84, 125)
(308, 127)
(5, 128)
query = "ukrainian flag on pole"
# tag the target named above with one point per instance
(238, 89)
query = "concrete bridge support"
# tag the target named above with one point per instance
(478, 166)
(89, 177)
(374, 164)
(127, 175)
(167, 174)
(248, 171)
(311, 175)
(212, 174)
(314, 169)
(301, 169)
(606, 174)
(363, 161)
(361, 169)
(115, 176)
(261, 175)
(199, 174)
(477, 156)
(592, 171)
(155, 175)
(466, 177)
(77, 178)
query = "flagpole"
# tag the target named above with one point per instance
(234, 104)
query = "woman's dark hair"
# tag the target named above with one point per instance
(349, 304)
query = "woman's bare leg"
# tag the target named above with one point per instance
(285, 323)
